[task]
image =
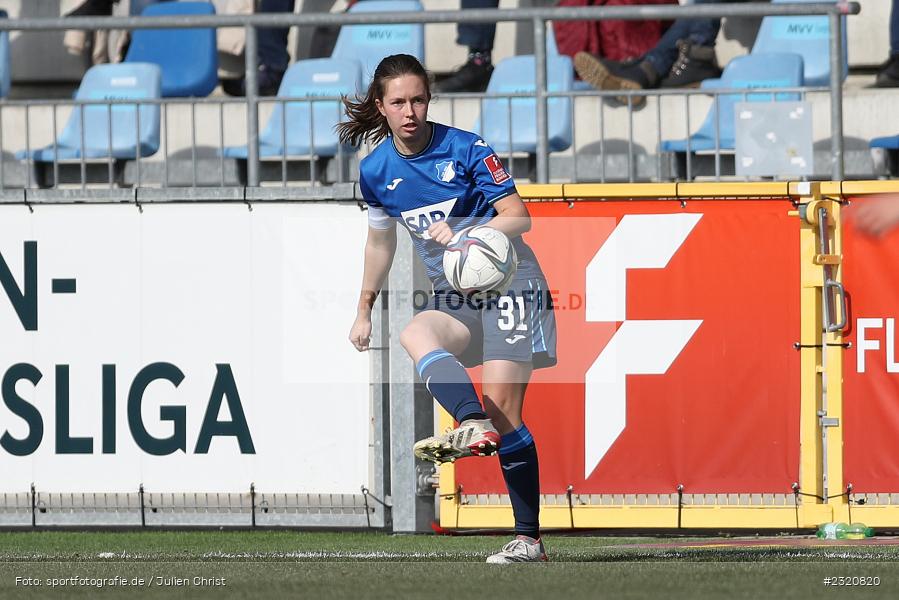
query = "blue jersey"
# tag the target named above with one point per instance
(457, 178)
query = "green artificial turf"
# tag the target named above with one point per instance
(276, 564)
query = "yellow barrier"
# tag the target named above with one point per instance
(818, 348)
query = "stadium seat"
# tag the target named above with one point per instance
(552, 48)
(890, 142)
(309, 135)
(885, 155)
(109, 82)
(750, 72)
(4, 60)
(368, 44)
(319, 77)
(808, 36)
(136, 7)
(516, 75)
(188, 57)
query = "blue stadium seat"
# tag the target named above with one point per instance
(4, 60)
(370, 43)
(750, 72)
(887, 143)
(808, 36)
(136, 7)
(307, 79)
(552, 48)
(109, 82)
(516, 75)
(188, 57)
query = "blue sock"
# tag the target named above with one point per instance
(450, 385)
(518, 458)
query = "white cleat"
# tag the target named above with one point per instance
(521, 549)
(474, 437)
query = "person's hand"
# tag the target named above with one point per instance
(360, 332)
(875, 216)
(440, 232)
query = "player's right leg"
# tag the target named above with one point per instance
(433, 339)
(516, 342)
(505, 385)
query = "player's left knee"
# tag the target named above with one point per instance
(501, 403)
(411, 336)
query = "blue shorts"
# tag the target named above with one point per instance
(519, 325)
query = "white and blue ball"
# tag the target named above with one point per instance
(480, 259)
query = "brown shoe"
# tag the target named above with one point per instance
(605, 74)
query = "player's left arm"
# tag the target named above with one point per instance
(512, 217)
(490, 176)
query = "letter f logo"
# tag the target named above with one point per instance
(638, 347)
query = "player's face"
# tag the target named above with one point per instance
(405, 106)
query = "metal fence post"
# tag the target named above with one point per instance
(836, 96)
(542, 112)
(252, 91)
(379, 454)
(411, 411)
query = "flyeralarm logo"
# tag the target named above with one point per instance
(638, 347)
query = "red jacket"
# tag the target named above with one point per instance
(618, 40)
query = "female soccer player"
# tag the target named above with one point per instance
(437, 180)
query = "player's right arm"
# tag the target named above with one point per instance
(379, 250)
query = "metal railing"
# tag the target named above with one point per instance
(540, 162)
(608, 169)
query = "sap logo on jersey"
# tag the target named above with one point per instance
(419, 219)
(445, 171)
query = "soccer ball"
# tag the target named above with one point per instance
(480, 259)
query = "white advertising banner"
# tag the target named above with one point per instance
(188, 347)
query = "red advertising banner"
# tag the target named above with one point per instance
(870, 367)
(676, 327)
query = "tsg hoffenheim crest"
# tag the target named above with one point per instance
(445, 170)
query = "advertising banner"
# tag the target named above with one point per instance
(870, 366)
(186, 347)
(677, 366)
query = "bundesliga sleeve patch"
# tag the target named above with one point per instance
(497, 171)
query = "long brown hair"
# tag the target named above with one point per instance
(365, 121)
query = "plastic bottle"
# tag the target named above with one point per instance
(858, 531)
(832, 531)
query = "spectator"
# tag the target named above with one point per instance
(272, 50)
(612, 39)
(474, 75)
(92, 8)
(78, 42)
(888, 76)
(684, 56)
